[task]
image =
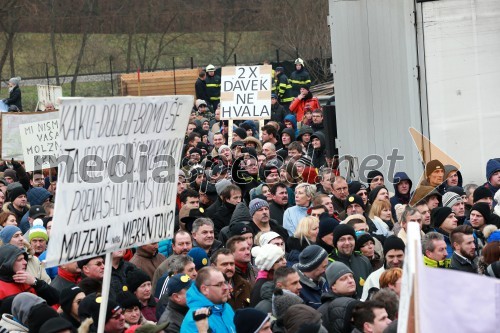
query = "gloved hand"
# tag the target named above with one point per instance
(15, 165)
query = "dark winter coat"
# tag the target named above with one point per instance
(119, 275)
(358, 263)
(336, 312)
(222, 217)
(399, 198)
(15, 98)
(201, 90)
(460, 263)
(311, 291)
(174, 314)
(299, 78)
(276, 211)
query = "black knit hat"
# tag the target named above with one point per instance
(355, 187)
(238, 229)
(39, 314)
(135, 278)
(67, 296)
(327, 225)
(393, 243)
(242, 133)
(127, 300)
(354, 198)
(16, 192)
(456, 189)
(56, 325)
(373, 193)
(372, 174)
(481, 193)
(438, 215)
(250, 320)
(484, 209)
(311, 257)
(362, 239)
(343, 230)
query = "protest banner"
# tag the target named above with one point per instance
(48, 96)
(246, 92)
(11, 137)
(444, 300)
(118, 170)
(38, 139)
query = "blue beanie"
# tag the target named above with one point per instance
(257, 204)
(199, 256)
(7, 233)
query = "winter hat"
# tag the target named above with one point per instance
(22, 304)
(221, 148)
(298, 315)
(178, 282)
(38, 231)
(191, 216)
(37, 211)
(221, 185)
(195, 151)
(393, 243)
(327, 225)
(335, 271)
(127, 300)
(240, 132)
(15, 193)
(484, 209)
(257, 204)
(199, 256)
(266, 256)
(343, 230)
(355, 187)
(354, 217)
(7, 232)
(135, 278)
(40, 314)
(372, 174)
(266, 237)
(200, 102)
(479, 193)
(84, 262)
(112, 308)
(10, 173)
(56, 325)
(306, 160)
(433, 166)
(238, 229)
(373, 193)
(38, 195)
(354, 198)
(15, 80)
(67, 296)
(282, 300)
(438, 215)
(492, 166)
(250, 320)
(493, 270)
(362, 240)
(450, 199)
(456, 189)
(311, 257)
(85, 308)
(494, 236)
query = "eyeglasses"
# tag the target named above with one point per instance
(219, 285)
(117, 315)
(363, 194)
(99, 263)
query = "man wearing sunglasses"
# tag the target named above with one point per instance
(92, 268)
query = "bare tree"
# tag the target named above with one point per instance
(10, 14)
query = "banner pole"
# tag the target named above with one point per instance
(105, 292)
(261, 124)
(230, 132)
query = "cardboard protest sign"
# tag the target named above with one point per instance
(48, 95)
(40, 139)
(117, 179)
(11, 137)
(246, 92)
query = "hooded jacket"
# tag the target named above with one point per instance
(336, 312)
(221, 319)
(311, 291)
(443, 188)
(222, 217)
(266, 296)
(399, 198)
(11, 325)
(291, 118)
(318, 156)
(8, 256)
(492, 166)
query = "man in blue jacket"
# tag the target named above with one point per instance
(210, 290)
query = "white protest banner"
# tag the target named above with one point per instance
(246, 92)
(48, 95)
(11, 137)
(117, 179)
(39, 140)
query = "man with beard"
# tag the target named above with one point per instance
(279, 203)
(261, 220)
(203, 235)
(242, 258)
(464, 255)
(223, 260)
(394, 254)
(444, 222)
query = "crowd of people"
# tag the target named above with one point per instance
(268, 236)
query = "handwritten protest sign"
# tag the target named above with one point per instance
(118, 172)
(11, 137)
(246, 92)
(40, 139)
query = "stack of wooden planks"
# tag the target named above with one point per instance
(159, 83)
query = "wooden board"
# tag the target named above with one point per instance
(159, 83)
